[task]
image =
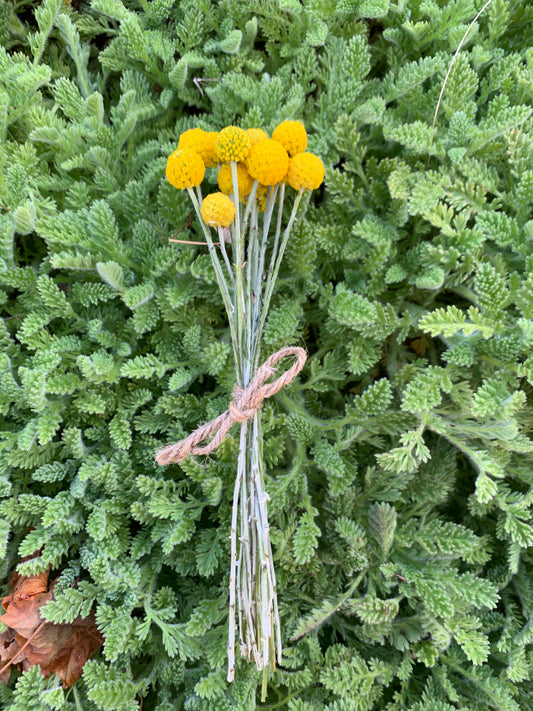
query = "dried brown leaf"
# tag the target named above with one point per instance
(29, 640)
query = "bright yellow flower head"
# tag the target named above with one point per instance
(244, 180)
(202, 142)
(256, 135)
(185, 169)
(211, 143)
(305, 171)
(267, 162)
(292, 136)
(218, 210)
(233, 144)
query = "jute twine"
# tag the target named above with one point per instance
(246, 402)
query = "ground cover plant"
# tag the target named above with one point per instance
(398, 464)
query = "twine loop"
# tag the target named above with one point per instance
(245, 403)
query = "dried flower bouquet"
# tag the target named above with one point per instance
(253, 173)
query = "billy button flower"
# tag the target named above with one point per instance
(244, 179)
(267, 162)
(306, 172)
(202, 142)
(256, 134)
(292, 136)
(218, 210)
(185, 169)
(232, 144)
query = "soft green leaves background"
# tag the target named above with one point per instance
(398, 465)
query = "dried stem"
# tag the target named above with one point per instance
(22, 649)
(456, 54)
(247, 292)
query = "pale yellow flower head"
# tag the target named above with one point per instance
(232, 144)
(292, 136)
(202, 142)
(185, 169)
(218, 210)
(306, 171)
(244, 180)
(267, 162)
(256, 134)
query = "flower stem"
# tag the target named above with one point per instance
(275, 263)
(252, 586)
(221, 280)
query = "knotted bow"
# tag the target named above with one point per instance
(246, 402)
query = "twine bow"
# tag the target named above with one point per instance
(246, 402)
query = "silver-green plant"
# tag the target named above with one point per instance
(404, 582)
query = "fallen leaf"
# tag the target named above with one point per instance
(30, 640)
(9, 649)
(23, 605)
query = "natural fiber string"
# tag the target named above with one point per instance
(246, 402)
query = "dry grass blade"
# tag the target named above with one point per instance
(456, 54)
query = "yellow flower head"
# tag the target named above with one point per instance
(292, 136)
(305, 171)
(256, 134)
(267, 162)
(212, 138)
(244, 180)
(218, 210)
(202, 142)
(233, 144)
(185, 169)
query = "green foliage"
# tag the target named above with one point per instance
(399, 463)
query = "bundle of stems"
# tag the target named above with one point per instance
(246, 277)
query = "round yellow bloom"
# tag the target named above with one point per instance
(232, 144)
(218, 210)
(185, 169)
(305, 171)
(292, 136)
(211, 141)
(202, 142)
(267, 162)
(256, 134)
(244, 180)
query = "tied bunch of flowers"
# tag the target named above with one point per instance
(254, 173)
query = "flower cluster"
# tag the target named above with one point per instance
(257, 170)
(244, 159)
